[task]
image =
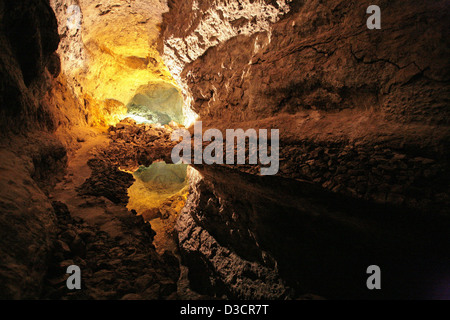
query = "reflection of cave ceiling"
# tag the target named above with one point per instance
(162, 174)
(364, 166)
(155, 185)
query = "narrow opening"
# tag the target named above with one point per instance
(158, 194)
(157, 102)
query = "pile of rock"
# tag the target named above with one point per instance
(372, 172)
(108, 181)
(134, 144)
(131, 146)
(112, 268)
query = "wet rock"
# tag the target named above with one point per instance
(61, 210)
(62, 247)
(78, 247)
(132, 296)
(143, 282)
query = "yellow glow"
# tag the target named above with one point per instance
(158, 186)
(160, 204)
(113, 75)
(136, 118)
(146, 202)
(191, 117)
(121, 57)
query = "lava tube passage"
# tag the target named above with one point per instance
(158, 102)
(237, 150)
(158, 194)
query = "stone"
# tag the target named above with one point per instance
(62, 247)
(78, 247)
(68, 236)
(153, 292)
(143, 282)
(167, 287)
(86, 235)
(132, 296)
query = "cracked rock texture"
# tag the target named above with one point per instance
(317, 55)
(361, 113)
(224, 262)
(335, 89)
(42, 123)
(363, 118)
(248, 236)
(115, 265)
(190, 28)
(30, 162)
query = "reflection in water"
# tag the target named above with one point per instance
(158, 194)
(322, 242)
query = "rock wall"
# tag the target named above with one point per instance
(105, 70)
(225, 262)
(51, 93)
(318, 56)
(314, 71)
(190, 28)
(38, 113)
(28, 41)
(361, 113)
(36, 94)
(252, 237)
(27, 217)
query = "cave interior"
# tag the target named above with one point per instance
(92, 92)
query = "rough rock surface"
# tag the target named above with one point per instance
(42, 123)
(319, 56)
(28, 39)
(113, 246)
(190, 28)
(30, 162)
(102, 67)
(107, 181)
(241, 237)
(361, 112)
(227, 266)
(135, 145)
(122, 267)
(27, 218)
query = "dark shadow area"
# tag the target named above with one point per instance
(324, 242)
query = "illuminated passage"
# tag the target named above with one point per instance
(157, 102)
(158, 194)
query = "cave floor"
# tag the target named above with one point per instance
(83, 206)
(112, 246)
(323, 242)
